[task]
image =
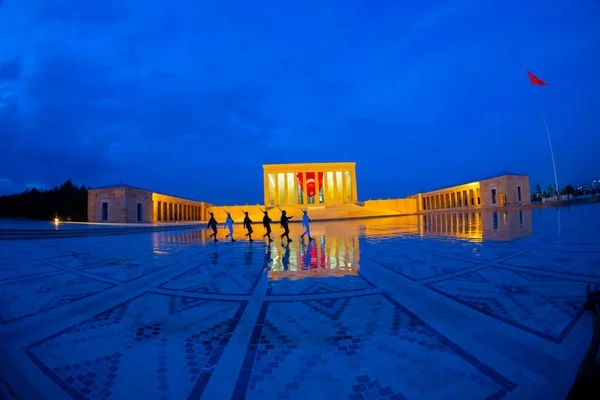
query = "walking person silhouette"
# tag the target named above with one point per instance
(306, 224)
(212, 224)
(284, 221)
(267, 225)
(229, 225)
(248, 226)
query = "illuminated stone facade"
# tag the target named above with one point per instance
(122, 204)
(309, 184)
(500, 191)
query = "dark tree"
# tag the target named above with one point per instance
(550, 192)
(67, 201)
(538, 189)
(569, 191)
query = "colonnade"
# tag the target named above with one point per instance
(323, 183)
(166, 211)
(458, 197)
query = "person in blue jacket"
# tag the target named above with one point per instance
(306, 224)
(229, 226)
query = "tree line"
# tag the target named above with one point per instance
(568, 191)
(66, 201)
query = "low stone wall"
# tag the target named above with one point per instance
(399, 206)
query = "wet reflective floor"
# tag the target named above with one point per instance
(476, 305)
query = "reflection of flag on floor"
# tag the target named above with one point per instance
(535, 80)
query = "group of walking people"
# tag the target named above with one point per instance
(283, 221)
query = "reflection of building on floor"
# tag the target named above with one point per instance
(391, 226)
(167, 241)
(499, 191)
(124, 203)
(503, 225)
(334, 255)
(320, 183)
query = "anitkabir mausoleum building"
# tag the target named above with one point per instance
(328, 190)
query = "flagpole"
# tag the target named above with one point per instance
(550, 143)
(549, 140)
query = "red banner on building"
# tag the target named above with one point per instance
(311, 185)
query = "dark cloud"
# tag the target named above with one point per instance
(81, 12)
(90, 121)
(10, 70)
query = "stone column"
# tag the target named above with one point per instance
(286, 193)
(276, 199)
(354, 188)
(266, 187)
(344, 188)
(325, 188)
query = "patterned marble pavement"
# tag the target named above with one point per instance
(572, 262)
(234, 273)
(324, 349)
(337, 327)
(35, 295)
(22, 267)
(170, 343)
(543, 305)
(126, 270)
(417, 265)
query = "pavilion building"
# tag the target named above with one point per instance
(122, 203)
(497, 191)
(328, 190)
(304, 184)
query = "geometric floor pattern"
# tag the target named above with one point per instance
(371, 309)
(546, 306)
(322, 349)
(222, 275)
(172, 342)
(572, 262)
(28, 297)
(419, 265)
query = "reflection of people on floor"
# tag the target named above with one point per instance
(285, 220)
(285, 259)
(267, 225)
(212, 224)
(248, 226)
(306, 255)
(306, 225)
(268, 254)
(248, 256)
(214, 258)
(587, 383)
(229, 226)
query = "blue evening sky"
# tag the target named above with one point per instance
(192, 97)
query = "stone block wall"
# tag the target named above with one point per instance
(116, 199)
(506, 185)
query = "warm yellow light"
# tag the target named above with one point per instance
(56, 221)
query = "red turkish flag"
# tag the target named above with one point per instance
(535, 80)
(311, 185)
